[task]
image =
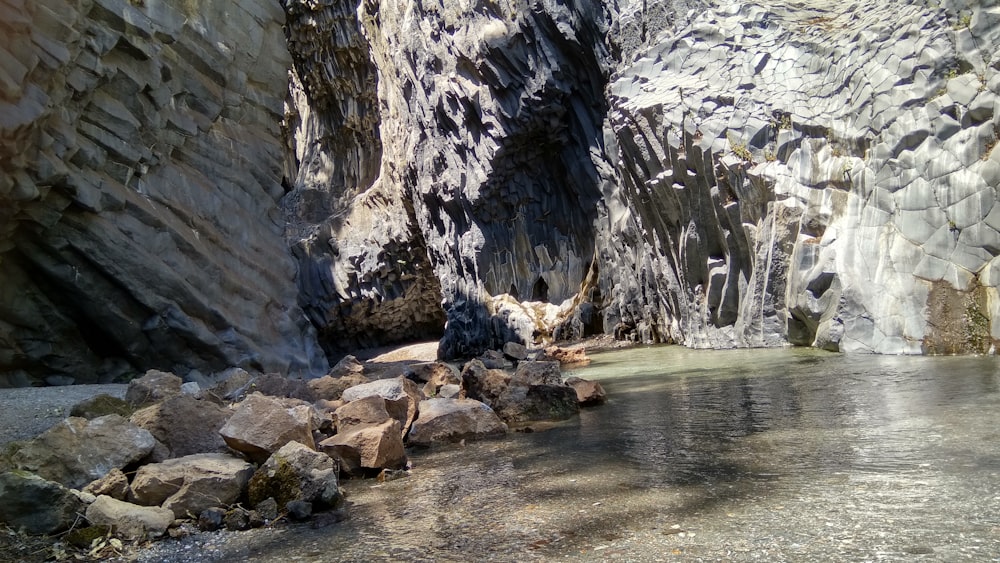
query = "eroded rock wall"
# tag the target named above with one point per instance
(141, 169)
(809, 173)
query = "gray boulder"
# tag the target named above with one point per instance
(185, 425)
(296, 473)
(188, 485)
(533, 403)
(330, 388)
(538, 373)
(261, 425)
(515, 351)
(77, 451)
(35, 504)
(152, 387)
(453, 420)
(128, 520)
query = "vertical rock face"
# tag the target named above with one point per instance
(141, 168)
(809, 174)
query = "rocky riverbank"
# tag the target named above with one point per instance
(164, 457)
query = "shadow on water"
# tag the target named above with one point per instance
(778, 454)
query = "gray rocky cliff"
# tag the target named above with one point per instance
(141, 170)
(715, 174)
(192, 185)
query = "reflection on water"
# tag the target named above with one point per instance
(769, 455)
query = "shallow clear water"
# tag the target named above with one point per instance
(759, 455)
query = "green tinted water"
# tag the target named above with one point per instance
(760, 455)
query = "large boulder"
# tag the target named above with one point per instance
(362, 412)
(152, 387)
(101, 405)
(188, 485)
(185, 425)
(35, 504)
(538, 373)
(482, 383)
(277, 385)
(296, 473)
(261, 425)
(588, 393)
(77, 451)
(129, 520)
(367, 447)
(433, 376)
(401, 398)
(532, 403)
(515, 351)
(453, 420)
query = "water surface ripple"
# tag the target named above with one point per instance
(744, 455)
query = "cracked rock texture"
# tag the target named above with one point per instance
(194, 185)
(140, 169)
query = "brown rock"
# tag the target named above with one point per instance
(362, 412)
(114, 485)
(185, 425)
(482, 384)
(188, 485)
(261, 425)
(401, 398)
(332, 388)
(377, 446)
(128, 520)
(566, 356)
(588, 393)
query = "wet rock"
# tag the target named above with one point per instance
(190, 484)
(588, 393)
(78, 451)
(331, 388)
(152, 387)
(367, 447)
(184, 425)
(454, 420)
(565, 356)
(261, 425)
(101, 405)
(483, 384)
(114, 484)
(401, 396)
(35, 504)
(537, 373)
(532, 403)
(296, 473)
(128, 520)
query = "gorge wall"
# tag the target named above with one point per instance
(141, 169)
(194, 184)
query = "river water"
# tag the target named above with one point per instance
(743, 455)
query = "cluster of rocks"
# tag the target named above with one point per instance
(171, 457)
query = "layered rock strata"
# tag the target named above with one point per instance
(141, 169)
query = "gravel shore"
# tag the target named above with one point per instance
(26, 412)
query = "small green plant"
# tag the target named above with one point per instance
(740, 149)
(769, 155)
(964, 21)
